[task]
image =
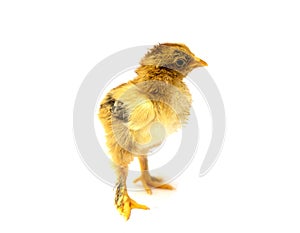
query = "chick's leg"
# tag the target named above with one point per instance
(123, 202)
(149, 181)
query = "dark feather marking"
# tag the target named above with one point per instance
(109, 102)
(119, 111)
(117, 108)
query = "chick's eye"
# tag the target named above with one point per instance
(180, 62)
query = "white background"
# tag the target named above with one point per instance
(252, 48)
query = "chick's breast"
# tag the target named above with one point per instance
(171, 111)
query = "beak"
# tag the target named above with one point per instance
(200, 62)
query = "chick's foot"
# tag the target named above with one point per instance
(125, 204)
(149, 182)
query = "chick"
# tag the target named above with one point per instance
(139, 114)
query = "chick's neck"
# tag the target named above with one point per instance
(153, 73)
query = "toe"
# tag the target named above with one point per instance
(137, 180)
(135, 205)
(166, 186)
(126, 211)
(156, 179)
(159, 185)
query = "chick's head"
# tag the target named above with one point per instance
(177, 57)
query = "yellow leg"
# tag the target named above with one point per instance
(149, 181)
(123, 202)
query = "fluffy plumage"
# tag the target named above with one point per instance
(139, 114)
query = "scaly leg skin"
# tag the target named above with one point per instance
(123, 202)
(149, 181)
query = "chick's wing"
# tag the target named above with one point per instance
(132, 107)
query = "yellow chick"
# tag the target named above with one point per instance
(139, 114)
